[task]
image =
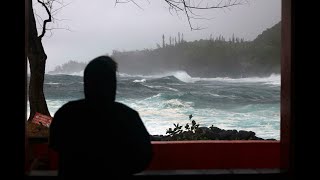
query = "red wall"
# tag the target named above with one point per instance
(202, 155)
(215, 155)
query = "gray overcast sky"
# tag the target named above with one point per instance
(98, 27)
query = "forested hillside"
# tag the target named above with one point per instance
(212, 57)
(69, 67)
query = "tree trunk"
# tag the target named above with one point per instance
(37, 60)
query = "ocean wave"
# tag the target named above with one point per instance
(124, 75)
(52, 83)
(72, 74)
(172, 89)
(77, 73)
(162, 87)
(154, 96)
(215, 95)
(53, 105)
(273, 79)
(184, 76)
(176, 103)
(180, 75)
(139, 81)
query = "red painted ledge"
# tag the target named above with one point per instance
(216, 154)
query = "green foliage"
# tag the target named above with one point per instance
(194, 126)
(187, 127)
(176, 130)
(194, 132)
(177, 133)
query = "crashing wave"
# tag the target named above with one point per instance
(139, 81)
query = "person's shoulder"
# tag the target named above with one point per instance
(124, 108)
(119, 105)
(71, 105)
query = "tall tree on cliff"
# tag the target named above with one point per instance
(37, 56)
(37, 60)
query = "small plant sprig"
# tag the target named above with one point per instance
(178, 129)
(194, 126)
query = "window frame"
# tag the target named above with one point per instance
(287, 83)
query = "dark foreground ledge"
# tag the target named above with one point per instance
(248, 174)
(178, 172)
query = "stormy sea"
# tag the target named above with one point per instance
(251, 103)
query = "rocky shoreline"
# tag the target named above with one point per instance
(198, 133)
(212, 133)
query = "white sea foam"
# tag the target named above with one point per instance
(159, 115)
(53, 106)
(153, 97)
(139, 81)
(162, 87)
(172, 89)
(159, 111)
(52, 83)
(176, 103)
(181, 75)
(216, 95)
(273, 79)
(77, 73)
(134, 75)
(80, 73)
(184, 76)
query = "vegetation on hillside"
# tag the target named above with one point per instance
(212, 57)
(69, 67)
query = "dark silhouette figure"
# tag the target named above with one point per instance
(190, 116)
(96, 136)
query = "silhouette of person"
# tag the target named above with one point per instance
(96, 136)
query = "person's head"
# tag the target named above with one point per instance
(100, 80)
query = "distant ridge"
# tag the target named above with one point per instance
(212, 57)
(215, 56)
(71, 67)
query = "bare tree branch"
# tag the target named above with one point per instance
(172, 5)
(48, 5)
(136, 4)
(45, 21)
(62, 6)
(37, 18)
(188, 7)
(128, 1)
(187, 14)
(50, 29)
